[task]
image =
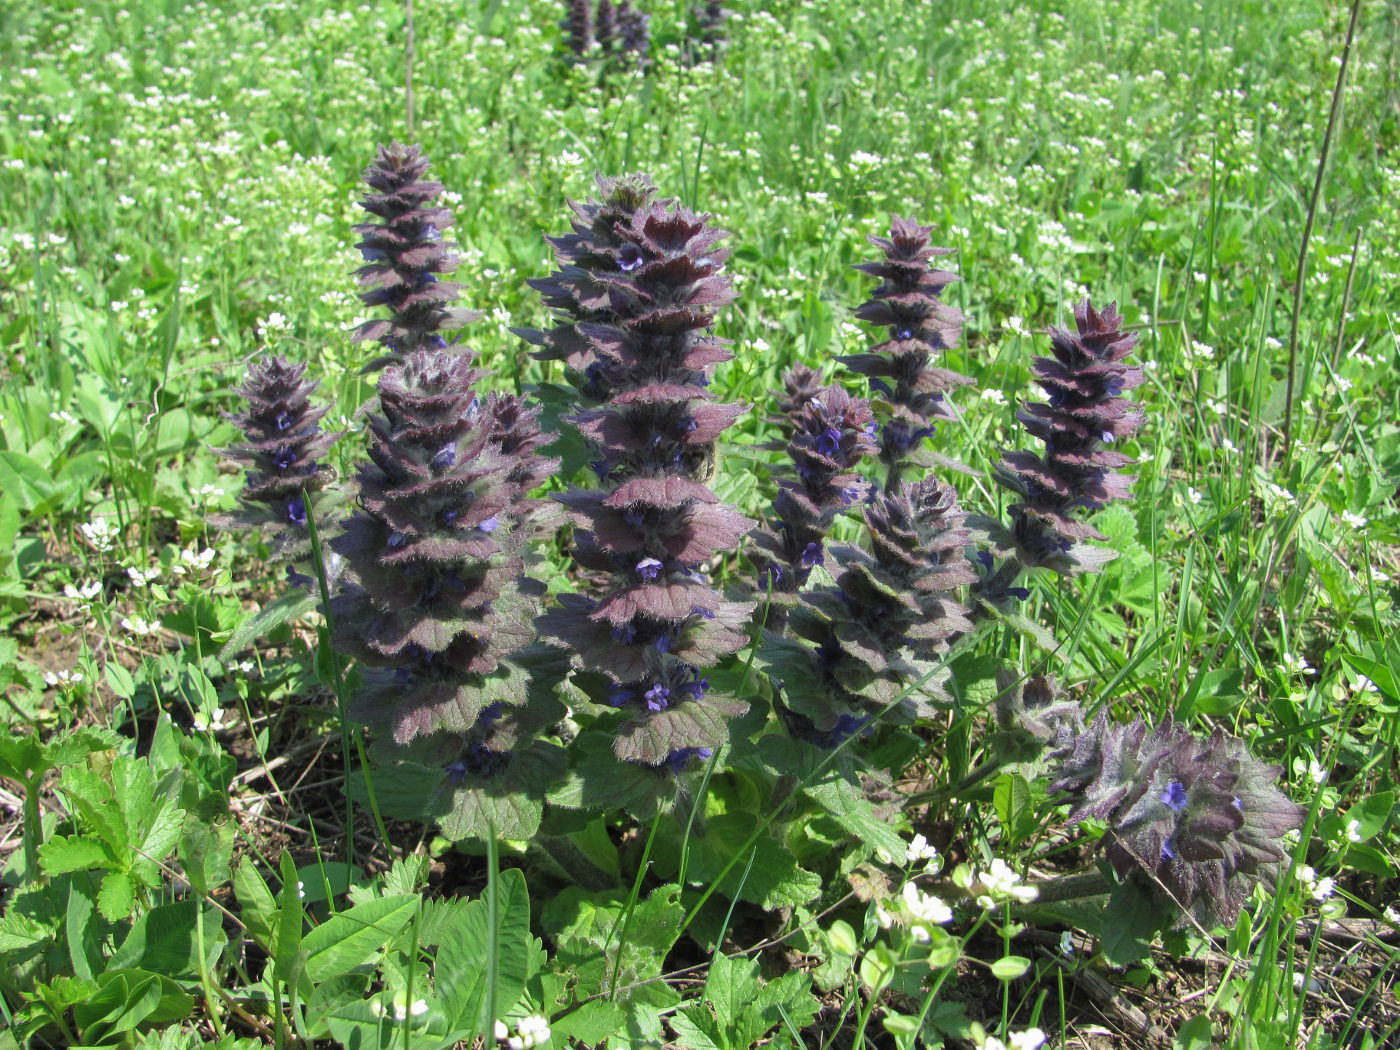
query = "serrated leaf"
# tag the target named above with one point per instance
(696, 1030)
(64, 854)
(773, 880)
(461, 965)
(354, 937)
(590, 1024)
(117, 896)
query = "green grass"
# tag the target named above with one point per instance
(174, 178)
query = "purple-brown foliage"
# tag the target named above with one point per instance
(644, 278)
(620, 30)
(892, 614)
(1085, 414)
(582, 291)
(1195, 823)
(434, 598)
(832, 433)
(517, 436)
(405, 257)
(919, 327)
(282, 447)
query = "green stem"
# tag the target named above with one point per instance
(33, 826)
(1074, 887)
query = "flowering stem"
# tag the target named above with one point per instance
(337, 683)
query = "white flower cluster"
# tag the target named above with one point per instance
(1320, 889)
(999, 883)
(99, 533)
(532, 1031)
(398, 1005)
(62, 678)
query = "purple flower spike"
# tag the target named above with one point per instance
(405, 256)
(638, 286)
(919, 326)
(282, 442)
(1196, 823)
(1077, 473)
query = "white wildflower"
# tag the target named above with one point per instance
(1356, 521)
(1001, 883)
(100, 533)
(531, 1032)
(1353, 831)
(63, 678)
(919, 849)
(83, 592)
(1296, 664)
(925, 908)
(137, 626)
(141, 577)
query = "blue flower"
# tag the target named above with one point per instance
(648, 568)
(657, 697)
(1175, 796)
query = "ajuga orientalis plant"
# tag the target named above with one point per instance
(829, 435)
(282, 450)
(910, 390)
(1083, 416)
(405, 258)
(436, 598)
(1193, 824)
(878, 636)
(639, 282)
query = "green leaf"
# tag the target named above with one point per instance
(1195, 1034)
(119, 1006)
(354, 937)
(1371, 814)
(1009, 967)
(697, 1030)
(462, 955)
(63, 854)
(1130, 923)
(80, 928)
(590, 1024)
(772, 881)
(25, 479)
(288, 606)
(205, 852)
(127, 998)
(1012, 801)
(119, 680)
(257, 906)
(165, 940)
(117, 896)
(288, 957)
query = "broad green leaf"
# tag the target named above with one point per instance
(119, 1006)
(590, 1024)
(1012, 801)
(25, 479)
(354, 937)
(1195, 1034)
(1370, 814)
(854, 812)
(81, 927)
(1131, 921)
(462, 954)
(165, 940)
(117, 896)
(205, 851)
(772, 881)
(697, 1030)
